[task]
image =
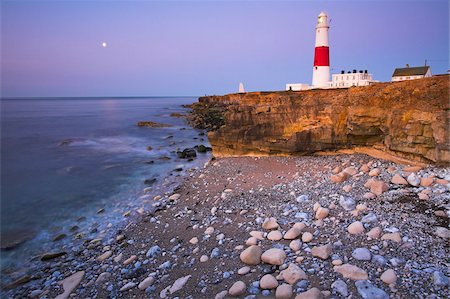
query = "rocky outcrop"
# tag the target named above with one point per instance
(406, 119)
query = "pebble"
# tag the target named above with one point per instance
(392, 237)
(204, 258)
(313, 293)
(257, 234)
(307, 237)
(369, 195)
(237, 289)
(130, 260)
(347, 203)
(103, 277)
(193, 241)
(118, 258)
(322, 213)
(340, 287)
(283, 291)
(275, 235)
(398, 180)
(369, 218)
(251, 255)
(209, 230)
(268, 282)
(413, 179)
(375, 172)
(426, 182)
(374, 233)
(442, 232)
(369, 291)
(351, 271)
(127, 286)
(244, 270)
(292, 274)
(104, 256)
(356, 228)
(221, 295)
(179, 284)
(347, 188)
(388, 276)
(362, 254)
(270, 223)
(440, 280)
(292, 234)
(378, 187)
(153, 251)
(251, 241)
(322, 252)
(274, 256)
(146, 283)
(295, 245)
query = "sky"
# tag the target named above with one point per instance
(193, 48)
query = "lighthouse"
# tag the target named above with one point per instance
(321, 69)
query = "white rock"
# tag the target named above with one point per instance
(179, 284)
(388, 276)
(237, 289)
(275, 235)
(70, 283)
(274, 256)
(270, 223)
(146, 283)
(283, 291)
(251, 255)
(127, 286)
(268, 282)
(307, 237)
(244, 270)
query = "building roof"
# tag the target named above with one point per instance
(411, 71)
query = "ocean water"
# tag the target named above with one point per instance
(64, 159)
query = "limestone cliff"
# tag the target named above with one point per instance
(408, 119)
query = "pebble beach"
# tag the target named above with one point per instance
(343, 226)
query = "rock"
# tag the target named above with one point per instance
(442, 232)
(388, 276)
(364, 168)
(350, 170)
(275, 235)
(237, 289)
(375, 172)
(340, 177)
(340, 287)
(322, 213)
(295, 245)
(70, 283)
(423, 196)
(268, 282)
(347, 188)
(292, 274)
(412, 169)
(307, 237)
(270, 223)
(351, 271)
(257, 234)
(336, 170)
(361, 254)
(374, 233)
(187, 153)
(21, 280)
(251, 255)
(426, 182)
(369, 195)
(283, 291)
(398, 180)
(127, 286)
(103, 277)
(204, 258)
(209, 231)
(244, 270)
(175, 196)
(36, 293)
(152, 124)
(221, 295)
(146, 283)
(130, 260)
(369, 218)
(369, 291)
(274, 256)
(193, 241)
(322, 252)
(440, 280)
(59, 237)
(413, 179)
(179, 284)
(313, 293)
(378, 187)
(118, 258)
(355, 228)
(51, 255)
(347, 203)
(153, 251)
(251, 241)
(369, 183)
(104, 256)
(293, 233)
(392, 236)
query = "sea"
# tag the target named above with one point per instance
(72, 167)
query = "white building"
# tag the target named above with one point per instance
(349, 79)
(411, 73)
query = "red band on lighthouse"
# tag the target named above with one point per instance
(322, 56)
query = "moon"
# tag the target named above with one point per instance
(104, 45)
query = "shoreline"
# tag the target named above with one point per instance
(234, 196)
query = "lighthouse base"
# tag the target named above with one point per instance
(321, 77)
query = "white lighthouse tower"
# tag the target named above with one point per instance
(321, 69)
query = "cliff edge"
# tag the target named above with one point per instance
(408, 119)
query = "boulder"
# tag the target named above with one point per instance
(273, 256)
(322, 252)
(251, 255)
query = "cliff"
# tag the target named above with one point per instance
(406, 119)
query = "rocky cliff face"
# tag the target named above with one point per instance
(408, 119)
